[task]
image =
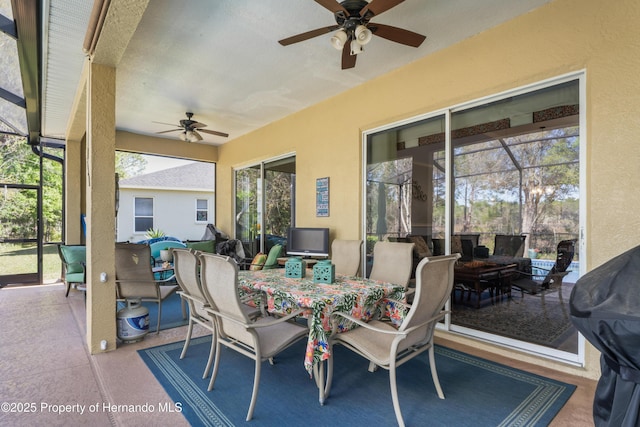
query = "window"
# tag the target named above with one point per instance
(202, 210)
(143, 214)
(509, 164)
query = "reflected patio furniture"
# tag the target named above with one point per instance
(387, 347)
(509, 245)
(480, 276)
(534, 283)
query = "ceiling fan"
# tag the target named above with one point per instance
(355, 30)
(189, 129)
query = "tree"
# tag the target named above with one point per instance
(129, 164)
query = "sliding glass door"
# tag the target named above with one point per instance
(508, 165)
(265, 203)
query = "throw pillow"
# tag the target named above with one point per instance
(274, 254)
(420, 246)
(258, 262)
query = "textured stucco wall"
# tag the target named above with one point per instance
(561, 37)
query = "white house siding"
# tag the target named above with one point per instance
(174, 212)
(174, 192)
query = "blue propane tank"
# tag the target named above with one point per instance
(133, 321)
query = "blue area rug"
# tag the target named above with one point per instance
(478, 392)
(171, 313)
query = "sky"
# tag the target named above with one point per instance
(157, 163)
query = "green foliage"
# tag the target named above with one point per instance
(129, 164)
(153, 233)
(18, 207)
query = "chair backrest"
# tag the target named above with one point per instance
(566, 251)
(134, 270)
(219, 278)
(434, 282)
(509, 245)
(392, 262)
(346, 255)
(272, 258)
(73, 257)
(186, 266)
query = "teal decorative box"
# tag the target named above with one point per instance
(295, 267)
(324, 272)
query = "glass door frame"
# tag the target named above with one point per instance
(35, 277)
(571, 358)
(262, 199)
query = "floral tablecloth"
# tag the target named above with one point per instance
(359, 297)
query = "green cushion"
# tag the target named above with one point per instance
(75, 257)
(74, 277)
(203, 246)
(274, 254)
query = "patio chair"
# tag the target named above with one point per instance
(345, 256)
(186, 267)
(388, 347)
(74, 259)
(259, 339)
(534, 283)
(392, 263)
(156, 247)
(135, 279)
(509, 245)
(187, 271)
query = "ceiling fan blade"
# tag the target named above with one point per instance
(397, 35)
(198, 125)
(308, 35)
(163, 123)
(172, 130)
(213, 132)
(333, 6)
(376, 7)
(197, 135)
(348, 60)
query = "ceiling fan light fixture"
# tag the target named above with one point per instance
(363, 35)
(183, 136)
(356, 47)
(339, 39)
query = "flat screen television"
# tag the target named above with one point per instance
(304, 241)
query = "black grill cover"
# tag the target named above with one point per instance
(605, 308)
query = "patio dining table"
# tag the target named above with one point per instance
(361, 298)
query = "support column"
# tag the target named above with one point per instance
(73, 204)
(100, 191)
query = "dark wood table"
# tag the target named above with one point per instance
(480, 276)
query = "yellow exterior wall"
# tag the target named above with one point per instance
(561, 37)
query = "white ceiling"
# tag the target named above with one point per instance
(222, 60)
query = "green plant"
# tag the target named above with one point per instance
(153, 233)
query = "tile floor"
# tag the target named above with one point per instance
(47, 375)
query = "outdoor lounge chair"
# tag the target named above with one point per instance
(533, 284)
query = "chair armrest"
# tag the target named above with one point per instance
(359, 322)
(252, 325)
(192, 298)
